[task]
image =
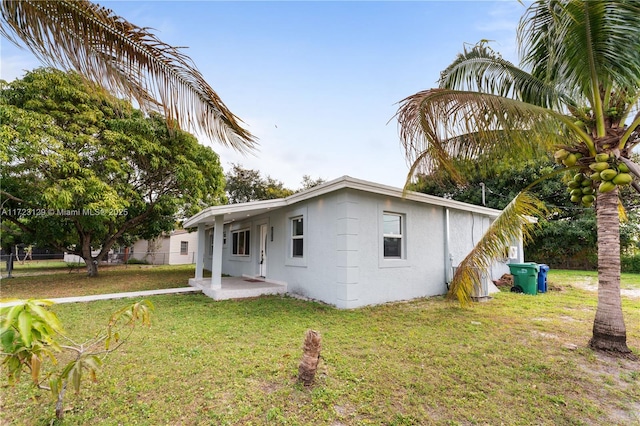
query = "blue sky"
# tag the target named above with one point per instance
(317, 82)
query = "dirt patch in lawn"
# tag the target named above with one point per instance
(615, 374)
(591, 284)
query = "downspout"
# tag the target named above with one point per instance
(448, 258)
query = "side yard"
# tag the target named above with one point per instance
(64, 283)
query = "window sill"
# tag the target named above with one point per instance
(394, 263)
(239, 258)
(296, 261)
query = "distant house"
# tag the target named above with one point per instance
(173, 248)
(347, 242)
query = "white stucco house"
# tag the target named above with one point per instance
(347, 242)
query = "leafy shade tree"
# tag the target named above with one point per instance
(578, 85)
(308, 182)
(11, 236)
(127, 60)
(502, 183)
(82, 170)
(244, 185)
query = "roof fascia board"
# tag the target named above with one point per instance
(363, 185)
(344, 182)
(233, 208)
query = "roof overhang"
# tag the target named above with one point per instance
(233, 212)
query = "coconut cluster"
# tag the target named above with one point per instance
(602, 172)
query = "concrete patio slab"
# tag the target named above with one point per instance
(238, 287)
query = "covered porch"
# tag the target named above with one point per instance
(237, 287)
(219, 287)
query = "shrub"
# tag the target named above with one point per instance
(31, 334)
(630, 263)
(134, 261)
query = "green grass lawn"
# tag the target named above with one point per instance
(113, 279)
(515, 360)
(566, 277)
(31, 266)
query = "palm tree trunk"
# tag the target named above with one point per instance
(609, 332)
(310, 357)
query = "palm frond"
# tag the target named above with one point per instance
(481, 69)
(125, 59)
(513, 223)
(631, 136)
(439, 124)
(590, 45)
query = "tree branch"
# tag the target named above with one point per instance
(11, 197)
(106, 245)
(20, 225)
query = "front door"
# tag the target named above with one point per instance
(263, 250)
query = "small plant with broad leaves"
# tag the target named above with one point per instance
(31, 334)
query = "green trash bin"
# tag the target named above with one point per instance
(525, 277)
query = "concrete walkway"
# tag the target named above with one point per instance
(114, 295)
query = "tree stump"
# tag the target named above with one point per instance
(310, 357)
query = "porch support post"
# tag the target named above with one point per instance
(216, 259)
(200, 251)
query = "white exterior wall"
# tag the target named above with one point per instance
(140, 249)
(312, 276)
(208, 249)
(343, 261)
(235, 266)
(372, 279)
(160, 255)
(166, 251)
(175, 256)
(73, 258)
(466, 230)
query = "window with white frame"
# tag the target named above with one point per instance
(297, 236)
(240, 242)
(184, 247)
(393, 224)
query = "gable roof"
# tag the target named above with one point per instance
(240, 211)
